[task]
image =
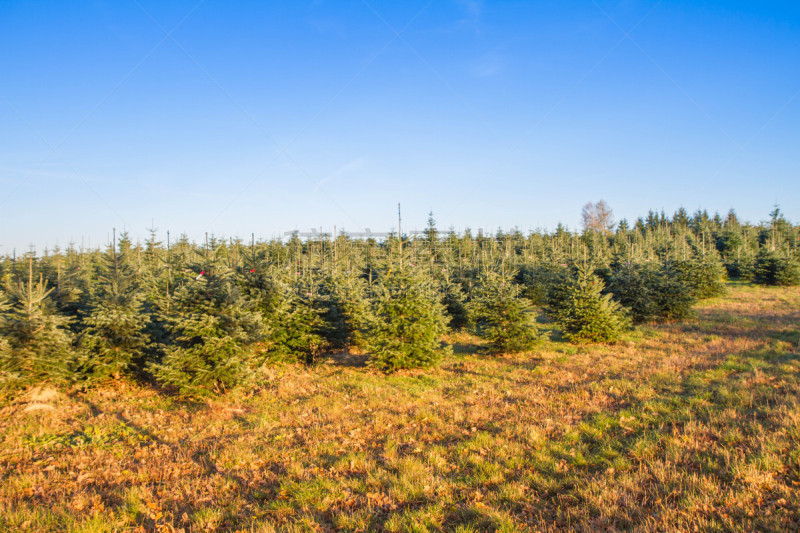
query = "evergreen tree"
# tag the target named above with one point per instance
(295, 326)
(636, 287)
(346, 310)
(674, 295)
(215, 330)
(73, 286)
(652, 291)
(454, 301)
(703, 278)
(500, 315)
(8, 372)
(558, 281)
(431, 233)
(114, 339)
(407, 323)
(587, 315)
(772, 269)
(38, 343)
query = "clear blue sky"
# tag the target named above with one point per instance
(240, 117)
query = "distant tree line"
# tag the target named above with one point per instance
(208, 317)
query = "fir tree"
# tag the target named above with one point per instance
(73, 286)
(8, 371)
(38, 341)
(115, 339)
(407, 323)
(703, 278)
(345, 310)
(587, 315)
(557, 282)
(772, 269)
(215, 330)
(636, 287)
(500, 315)
(454, 301)
(295, 326)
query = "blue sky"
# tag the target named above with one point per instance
(241, 117)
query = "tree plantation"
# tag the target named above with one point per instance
(205, 318)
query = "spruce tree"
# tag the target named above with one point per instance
(557, 280)
(586, 314)
(500, 315)
(407, 323)
(538, 280)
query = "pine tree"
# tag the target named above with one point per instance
(537, 281)
(587, 315)
(407, 323)
(653, 291)
(557, 282)
(500, 315)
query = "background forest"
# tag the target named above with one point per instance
(208, 317)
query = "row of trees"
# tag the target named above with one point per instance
(209, 317)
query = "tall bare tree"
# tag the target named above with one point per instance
(597, 217)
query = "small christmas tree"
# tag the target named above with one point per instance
(295, 325)
(587, 315)
(536, 281)
(407, 323)
(773, 269)
(214, 329)
(8, 376)
(500, 315)
(39, 343)
(636, 287)
(114, 338)
(345, 310)
(557, 281)
(704, 278)
(454, 301)
(674, 293)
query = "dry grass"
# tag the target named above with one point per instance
(691, 426)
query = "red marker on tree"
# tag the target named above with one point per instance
(200, 275)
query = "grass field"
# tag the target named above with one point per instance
(692, 426)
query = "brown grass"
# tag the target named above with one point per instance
(688, 427)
